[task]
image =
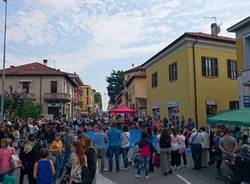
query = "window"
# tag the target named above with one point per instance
(233, 105)
(154, 80)
(25, 87)
(209, 67)
(232, 69)
(53, 86)
(173, 72)
(87, 100)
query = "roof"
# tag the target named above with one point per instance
(76, 79)
(140, 75)
(192, 35)
(32, 69)
(240, 24)
(134, 69)
(239, 117)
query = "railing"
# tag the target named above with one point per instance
(57, 96)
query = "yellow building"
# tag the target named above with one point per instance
(195, 76)
(87, 99)
(242, 30)
(135, 90)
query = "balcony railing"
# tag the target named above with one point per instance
(76, 101)
(64, 97)
(30, 96)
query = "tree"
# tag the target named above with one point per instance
(98, 99)
(115, 84)
(29, 110)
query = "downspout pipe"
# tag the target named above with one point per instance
(195, 82)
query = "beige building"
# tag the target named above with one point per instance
(135, 90)
(54, 89)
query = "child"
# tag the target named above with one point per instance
(44, 168)
(144, 145)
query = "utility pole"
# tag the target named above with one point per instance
(4, 57)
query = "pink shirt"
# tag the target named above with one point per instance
(5, 159)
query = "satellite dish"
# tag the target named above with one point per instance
(218, 30)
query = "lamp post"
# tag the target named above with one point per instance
(4, 56)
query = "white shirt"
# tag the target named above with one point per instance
(206, 140)
(175, 143)
(182, 141)
(125, 139)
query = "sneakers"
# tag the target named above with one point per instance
(147, 176)
(124, 169)
(173, 167)
(137, 176)
(179, 167)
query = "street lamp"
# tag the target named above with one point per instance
(4, 56)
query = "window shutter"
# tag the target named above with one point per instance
(176, 72)
(216, 72)
(156, 79)
(203, 66)
(229, 69)
(236, 69)
(152, 80)
(169, 72)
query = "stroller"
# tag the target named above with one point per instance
(240, 167)
(135, 159)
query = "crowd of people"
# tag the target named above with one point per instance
(62, 152)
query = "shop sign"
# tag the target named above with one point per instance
(173, 104)
(53, 105)
(211, 102)
(246, 101)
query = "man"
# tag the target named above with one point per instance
(100, 145)
(69, 138)
(114, 138)
(190, 124)
(195, 141)
(228, 145)
(205, 147)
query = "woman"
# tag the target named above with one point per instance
(144, 145)
(218, 153)
(56, 149)
(90, 153)
(16, 136)
(5, 158)
(44, 168)
(78, 159)
(165, 151)
(29, 155)
(125, 142)
(182, 149)
(175, 146)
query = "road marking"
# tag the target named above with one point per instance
(183, 179)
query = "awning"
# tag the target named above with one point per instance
(123, 109)
(239, 117)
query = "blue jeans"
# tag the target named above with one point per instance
(124, 152)
(114, 150)
(58, 161)
(66, 156)
(144, 163)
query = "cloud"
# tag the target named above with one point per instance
(31, 27)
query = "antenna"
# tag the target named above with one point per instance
(215, 18)
(133, 65)
(54, 62)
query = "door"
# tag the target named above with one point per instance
(54, 111)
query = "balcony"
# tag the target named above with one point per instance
(76, 101)
(29, 96)
(61, 97)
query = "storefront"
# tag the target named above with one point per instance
(156, 111)
(211, 107)
(173, 109)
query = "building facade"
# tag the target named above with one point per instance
(194, 77)
(135, 90)
(88, 102)
(53, 89)
(242, 30)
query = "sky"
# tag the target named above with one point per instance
(93, 37)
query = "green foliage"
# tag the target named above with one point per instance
(115, 84)
(98, 99)
(29, 110)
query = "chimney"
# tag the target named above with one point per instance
(12, 66)
(45, 62)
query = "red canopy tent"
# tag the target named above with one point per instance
(123, 109)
